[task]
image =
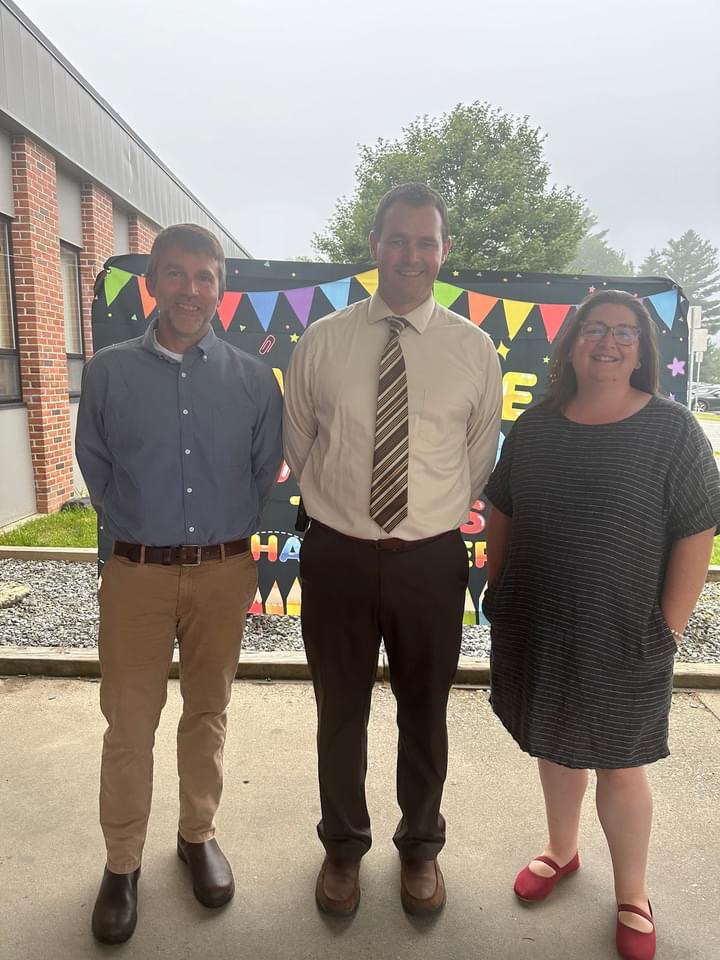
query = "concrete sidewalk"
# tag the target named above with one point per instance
(51, 851)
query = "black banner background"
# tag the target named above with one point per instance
(521, 323)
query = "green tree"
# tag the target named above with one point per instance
(489, 168)
(595, 255)
(693, 263)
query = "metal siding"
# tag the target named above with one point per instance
(43, 96)
(7, 204)
(17, 486)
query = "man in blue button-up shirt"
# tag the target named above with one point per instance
(179, 442)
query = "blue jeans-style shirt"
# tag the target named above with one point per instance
(178, 452)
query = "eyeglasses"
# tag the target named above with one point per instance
(623, 334)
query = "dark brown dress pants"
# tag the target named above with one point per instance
(352, 595)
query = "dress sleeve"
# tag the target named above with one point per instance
(498, 489)
(693, 484)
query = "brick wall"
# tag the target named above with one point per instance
(141, 233)
(40, 321)
(98, 240)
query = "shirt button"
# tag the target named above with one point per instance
(185, 413)
(186, 452)
(183, 374)
(189, 489)
(191, 529)
(205, 358)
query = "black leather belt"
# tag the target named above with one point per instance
(391, 544)
(186, 554)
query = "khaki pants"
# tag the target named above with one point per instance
(143, 608)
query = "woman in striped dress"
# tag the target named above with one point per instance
(605, 501)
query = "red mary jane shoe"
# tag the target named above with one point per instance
(634, 944)
(529, 886)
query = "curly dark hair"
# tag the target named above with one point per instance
(562, 382)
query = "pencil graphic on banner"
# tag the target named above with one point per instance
(274, 603)
(293, 599)
(470, 613)
(256, 606)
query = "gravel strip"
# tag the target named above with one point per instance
(61, 611)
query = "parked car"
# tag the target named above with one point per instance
(707, 399)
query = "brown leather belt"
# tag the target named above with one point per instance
(185, 554)
(391, 544)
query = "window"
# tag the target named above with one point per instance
(70, 268)
(9, 363)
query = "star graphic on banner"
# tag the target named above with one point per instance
(546, 359)
(592, 289)
(503, 350)
(677, 367)
(294, 337)
(456, 273)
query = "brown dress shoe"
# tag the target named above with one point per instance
(338, 875)
(417, 877)
(212, 878)
(115, 913)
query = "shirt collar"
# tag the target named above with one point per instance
(419, 318)
(204, 346)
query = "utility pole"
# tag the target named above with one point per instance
(694, 321)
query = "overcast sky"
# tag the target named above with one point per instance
(258, 106)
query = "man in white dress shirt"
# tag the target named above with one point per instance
(392, 416)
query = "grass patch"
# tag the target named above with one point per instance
(712, 417)
(715, 558)
(68, 528)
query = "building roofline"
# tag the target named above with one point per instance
(102, 102)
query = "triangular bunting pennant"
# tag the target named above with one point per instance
(665, 305)
(553, 316)
(264, 304)
(516, 313)
(115, 280)
(148, 302)
(446, 293)
(480, 305)
(227, 307)
(369, 281)
(337, 292)
(301, 301)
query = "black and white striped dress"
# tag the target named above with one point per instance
(581, 658)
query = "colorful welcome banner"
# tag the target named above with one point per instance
(268, 305)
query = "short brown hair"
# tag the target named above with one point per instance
(192, 239)
(414, 195)
(562, 380)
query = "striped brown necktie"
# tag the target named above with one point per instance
(389, 490)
